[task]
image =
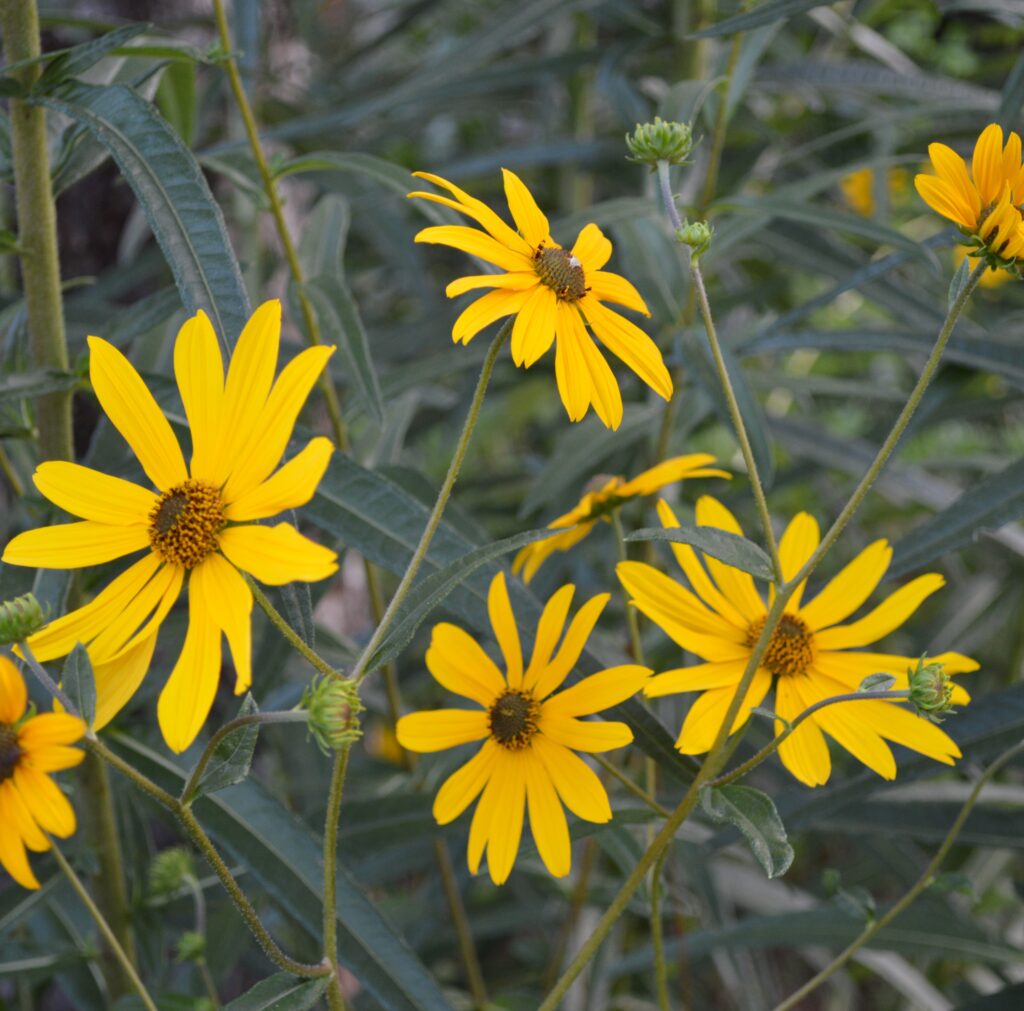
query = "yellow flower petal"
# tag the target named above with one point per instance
(277, 555)
(592, 248)
(48, 729)
(118, 679)
(475, 243)
(199, 370)
(20, 818)
(507, 817)
(547, 818)
(599, 691)
(13, 693)
(805, 751)
(464, 785)
(529, 218)
(457, 662)
(902, 726)
(849, 588)
(698, 678)
(439, 729)
(218, 580)
(291, 486)
(951, 168)
(517, 281)
(850, 669)
(91, 495)
(493, 795)
(798, 543)
(628, 342)
(503, 621)
(12, 849)
(945, 199)
(534, 329)
(549, 631)
(75, 545)
(889, 615)
(484, 311)
(56, 759)
(45, 802)
(700, 728)
(132, 410)
(987, 163)
(584, 735)
(582, 374)
(577, 784)
(548, 679)
(678, 468)
(608, 287)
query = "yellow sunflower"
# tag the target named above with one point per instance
(599, 504)
(198, 523)
(984, 202)
(811, 656)
(31, 804)
(554, 293)
(527, 760)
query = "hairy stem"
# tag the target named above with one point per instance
(658, 935)
(335, 1001)
(474, 975)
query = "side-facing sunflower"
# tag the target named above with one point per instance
(554, 293)
(598, 505)
(527, 760)
(198, 524)
(814, 653)
(32, 747)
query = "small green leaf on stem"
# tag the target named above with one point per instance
(729, 548)
(877, 682)
(959, 281)
(280, 992)
(232, 758)
(754, 814)
(79, 683)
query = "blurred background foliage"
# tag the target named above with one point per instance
(828, 291)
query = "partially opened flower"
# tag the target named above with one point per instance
(599, 504)
(554, 293)
(32, 747)
(984, 203)
(527, 761)
(197, 525)
(815, 652)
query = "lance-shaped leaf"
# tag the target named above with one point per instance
(754, 814)
(232, 758)
(79, 683)
(729, 548)
(281, 992)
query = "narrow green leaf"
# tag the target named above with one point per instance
(878, 682)
(322, 246)
(958, 281)
(78, 59)
(281, 992)
(173, 194)
(232, 758)
(29, 385)
(431, 592)
(775, 10)
(340, 321)
(79, 683)
(729, 548)
(176, 98)
(297, 601)
(754, 814)
(1013, 95)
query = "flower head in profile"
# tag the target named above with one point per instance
(815, 652)
(555, 294)
(983, 203)
(196, 523)
(530, 736)
(602, 501)
(32, 747)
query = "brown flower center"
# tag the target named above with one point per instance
(790, 650)
(10, 753)
(561, 272)
(184, 523)
(513, 719)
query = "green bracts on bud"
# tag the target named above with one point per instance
(662, 140)
(334, 707)
(930, 690)
(191, 947)
(169, 871)
(19, 618)
(696, 235)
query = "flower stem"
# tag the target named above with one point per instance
(105, 930)
(474, 975)
(44, 678)
(434, 520)
(926, 878)
(634, 788)
(335, 999)
(636, 644)
(737, 420)
(658, 935)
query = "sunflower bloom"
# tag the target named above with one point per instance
(602, 501)
(983, 202)
(555, 295)
(198, 525)
(814, 653)
(31, 804)
(527, 760)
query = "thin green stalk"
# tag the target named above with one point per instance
(37, 228)
(286, 716)
(270, 188)
(43, 677)
(335, 999)
(719, 131)
(636, 644)
(297, 642)
(105, 930)
(474, 975)
(434, 520)
(658, 935)
(7, 468)
(737, 420)
(634, 788)
(926, 878)
(775, 742)
(576, 903)
(199, 901)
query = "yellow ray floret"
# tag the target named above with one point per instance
(196, 523)
(527, 760)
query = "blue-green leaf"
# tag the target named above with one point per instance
(79, 683)
(729, 548)
(281, 992)
(754, 814)
(232, 758)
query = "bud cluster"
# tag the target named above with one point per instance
(19, 618)
(662, 140)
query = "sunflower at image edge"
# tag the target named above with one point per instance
(811, 656)
(32, 747)
(198, 525)
(528, 760)
(598, 505)
(554, 293)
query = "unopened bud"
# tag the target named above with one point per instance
(19, 618)
(191, 947)
(930, 690)
(169, 871)
(696, 235)
(662, 140)
(334, 707)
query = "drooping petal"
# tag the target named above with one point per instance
(503, 621)
(13, 693)
(849, 588)
(507, 818)
(118, 679)
(277, 555)
(605, 394)
(698, 678)
(476, 243)
(480, 827)
(548, 679)
(290, 487)
(577, 784)
(92, 495)
(75, 545)
(199, 371)
(805, 751)
(549, 631)
(484, 311)
(798, 543)
(217, 579)
(49, 729)
(464, 785)
(585, 735)
(439, 729)
(902, 726)
(547, 818)
(702, 723)
(529, 219)
(599, 691)
(628, 342)
(12, 848)
(126, 400)
(457, 661)
(592, 248)
(45, 802)
(534, 329)
(529, 559)
(582, 374)
(20, 818)
(608, 287)
(668, 472)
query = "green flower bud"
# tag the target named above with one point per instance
(696, 235)
(19, 618)
(930, 690)
(169, 871)
(661, 140)
(334, 707)
(191, 947)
